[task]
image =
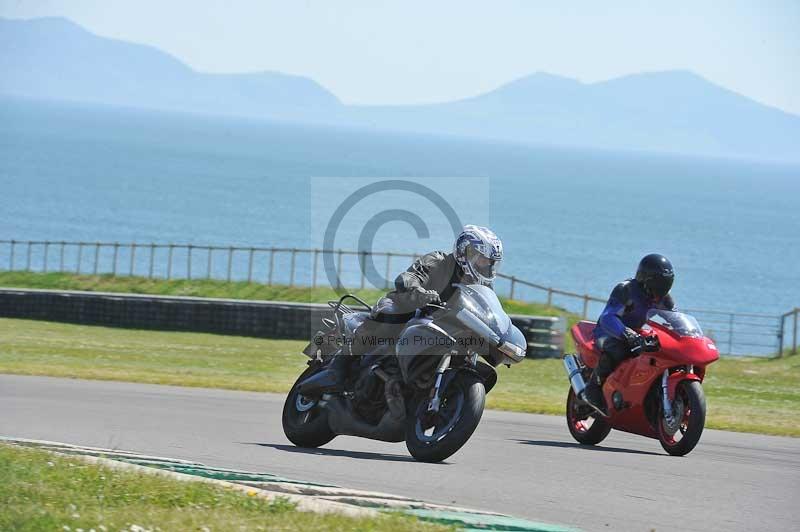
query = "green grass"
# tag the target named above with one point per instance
(232, 290)
(747, 394)
(41, 491)
(211, 288)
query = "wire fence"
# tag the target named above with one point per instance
(734, 332)
(788, 329)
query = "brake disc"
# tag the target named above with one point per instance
(673, 423)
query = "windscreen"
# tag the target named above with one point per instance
(678, 322)
(484, 304)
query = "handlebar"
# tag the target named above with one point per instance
(430, 308)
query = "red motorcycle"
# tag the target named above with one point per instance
(657, 394)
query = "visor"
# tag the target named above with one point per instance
(660, 285)
(482, 265)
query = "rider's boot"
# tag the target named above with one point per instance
(593, 395)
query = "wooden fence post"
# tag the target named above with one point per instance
(132, 268)
(169, 261)
(152, 259)
(271, 265)
(291, 267)
(388, 269)
(250, 265)
(96, 257)
(230, 262)
(116, 253)
(314, 273)
(339, 271)
(363, 265)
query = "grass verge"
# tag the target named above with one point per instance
(230, 290)
(744, 394)
(44, 491)
(212, 288)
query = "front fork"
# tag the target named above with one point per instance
(435, 401)
(665, 401)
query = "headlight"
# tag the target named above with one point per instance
(513, 351)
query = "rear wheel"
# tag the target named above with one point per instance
(584, 424)
(689, 408)
(305, 423)
(433, 437)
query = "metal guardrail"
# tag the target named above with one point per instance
(549, 291)
(734, 332)
(179, 261)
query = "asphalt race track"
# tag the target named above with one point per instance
(519, 464)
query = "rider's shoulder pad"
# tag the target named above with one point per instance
(622, 292)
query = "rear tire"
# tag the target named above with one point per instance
(460, 412)
(305, 423)
(692, 423)
(586, 428)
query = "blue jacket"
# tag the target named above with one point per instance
(627, 307)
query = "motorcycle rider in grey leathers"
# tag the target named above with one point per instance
(429, 280)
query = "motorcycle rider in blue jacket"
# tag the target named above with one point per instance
(626, 310)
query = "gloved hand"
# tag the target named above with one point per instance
(424, 297)
(635, 340)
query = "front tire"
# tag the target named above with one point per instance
(433, 438)
(690, 399)
(587, 427)
(305, 423)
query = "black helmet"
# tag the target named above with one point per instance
(655, 275)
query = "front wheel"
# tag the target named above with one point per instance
(689, 408)
(584, 424)
(305, 423)
(433, 437)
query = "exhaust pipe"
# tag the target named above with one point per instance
(343, 421)
(574, 373)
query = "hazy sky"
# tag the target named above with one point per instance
(412, 52)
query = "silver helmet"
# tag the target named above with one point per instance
(478, 251)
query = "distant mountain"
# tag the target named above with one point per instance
(674, 111)
(54, 58)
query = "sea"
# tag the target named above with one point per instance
(574, 219)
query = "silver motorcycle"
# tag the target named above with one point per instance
(426, 387)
